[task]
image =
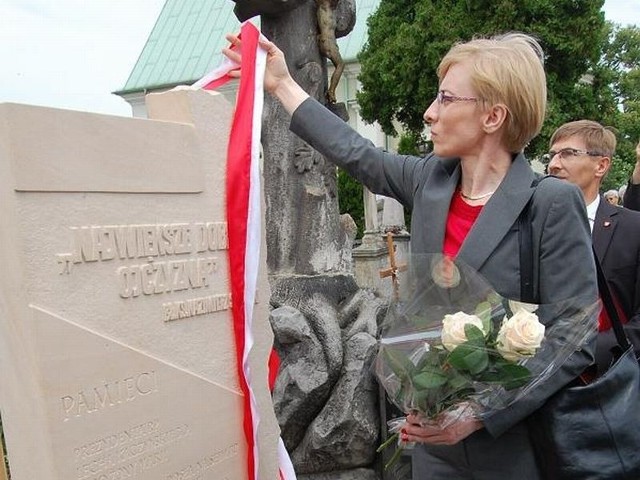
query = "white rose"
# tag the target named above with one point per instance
(453, 329)
(520, 336)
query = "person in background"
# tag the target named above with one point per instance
(581, 153)
(465, 198)
(621, 192)
(632, 194)
(612, 197)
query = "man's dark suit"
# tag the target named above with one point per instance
(616, 240)
(632, 197)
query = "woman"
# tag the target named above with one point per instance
(465, 200)
(612, 197)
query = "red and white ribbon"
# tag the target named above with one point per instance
(244, 222)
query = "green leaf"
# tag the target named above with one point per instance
(458, 382)
(474, 334)
(490, 376)
(471, 358)
(429, 379)
(398, 363)
(513, 376)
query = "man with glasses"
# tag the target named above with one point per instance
(581, 153)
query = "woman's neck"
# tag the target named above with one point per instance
(481, 175)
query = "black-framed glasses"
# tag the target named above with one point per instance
(444, 98)
(568, 153)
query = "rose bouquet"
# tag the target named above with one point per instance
(453, 347)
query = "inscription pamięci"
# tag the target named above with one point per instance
(108, 394)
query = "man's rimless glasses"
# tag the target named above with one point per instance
(568, 153)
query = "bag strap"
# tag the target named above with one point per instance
(526, 254)
(609, 306)
(525, 239)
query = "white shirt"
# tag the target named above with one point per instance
(592, 208)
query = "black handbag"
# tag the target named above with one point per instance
(588, 431)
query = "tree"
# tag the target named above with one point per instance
(351, 199)
(408, 38)
(619, 67)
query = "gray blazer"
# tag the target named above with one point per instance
(563, 265)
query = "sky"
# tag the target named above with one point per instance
(73, 53)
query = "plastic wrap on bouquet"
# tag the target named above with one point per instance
(452, 346)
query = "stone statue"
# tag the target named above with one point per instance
(328, 44)
(325, 327)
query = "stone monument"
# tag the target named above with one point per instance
(116, 344)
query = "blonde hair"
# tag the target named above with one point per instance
(596, 137)
(507, 69)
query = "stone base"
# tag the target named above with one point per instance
(367, 266)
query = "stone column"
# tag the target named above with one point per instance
(371, 255)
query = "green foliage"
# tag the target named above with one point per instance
(351, 199)
(593, 68)
(409, 143)
(620, 67)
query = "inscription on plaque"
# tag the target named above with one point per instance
(128, 453)
(104, 243)
(158, 273)
(195, 471)
(161, 277)
(196, 306)
(109, 394)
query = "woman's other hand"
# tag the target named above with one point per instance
(437, 433)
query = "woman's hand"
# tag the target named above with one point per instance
(416, 430)
(277, 79)
(276, 70)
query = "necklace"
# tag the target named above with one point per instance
(479, 197)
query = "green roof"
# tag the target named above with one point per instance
(186, 41)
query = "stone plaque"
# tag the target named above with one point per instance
(116, 342)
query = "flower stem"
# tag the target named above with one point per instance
(394, 458)
(389, 441)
